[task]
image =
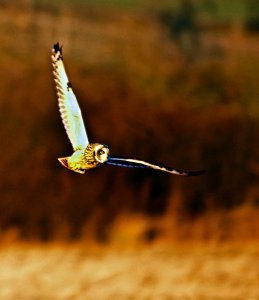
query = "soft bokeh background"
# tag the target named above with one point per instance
(173, 82)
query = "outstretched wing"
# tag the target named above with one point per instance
(135, 163)
(68, 106)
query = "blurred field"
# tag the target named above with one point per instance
(175, 85)
(173, 82)
(177, 272)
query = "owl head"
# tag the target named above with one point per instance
(101, 153)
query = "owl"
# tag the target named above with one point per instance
(88, 155)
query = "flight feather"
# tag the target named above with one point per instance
(135, 163)
(68, 105)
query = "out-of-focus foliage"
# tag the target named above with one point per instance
(252, 20)
(140, 94)
(183, 28)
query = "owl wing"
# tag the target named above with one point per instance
(135, 163)
(68, 106)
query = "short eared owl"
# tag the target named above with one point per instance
(88, 155)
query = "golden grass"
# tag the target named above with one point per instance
(158, 272)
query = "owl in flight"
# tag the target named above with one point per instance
(89, 155)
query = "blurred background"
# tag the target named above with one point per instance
(171, 82)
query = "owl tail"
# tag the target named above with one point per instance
(64, 162)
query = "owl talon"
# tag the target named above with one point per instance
(80, 171)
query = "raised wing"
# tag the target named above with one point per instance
(68, 106)
(135, 163)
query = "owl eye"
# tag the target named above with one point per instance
(100, 152)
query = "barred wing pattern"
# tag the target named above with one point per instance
(68, 105)
(135, 163)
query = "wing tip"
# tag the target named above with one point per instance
(195, 173)
(57, 48)
(57, 51)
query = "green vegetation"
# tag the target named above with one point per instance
(231, 10)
